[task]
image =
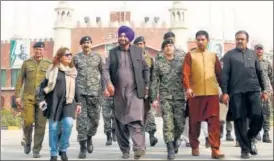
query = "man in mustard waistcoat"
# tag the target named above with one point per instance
(201, 78)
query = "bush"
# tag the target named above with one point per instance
(10, 118)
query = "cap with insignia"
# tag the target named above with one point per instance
(39, 45)
(139, 39)
(169, 35)
(84, 39)
(167, 41)
(258, 46)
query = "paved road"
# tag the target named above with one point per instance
(12, 150)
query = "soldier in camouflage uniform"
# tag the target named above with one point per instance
(167, 76)
(267, 70)
(149, 117)
(89, 66)
(109, 120)
(32, 72)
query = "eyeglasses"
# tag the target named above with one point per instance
(68, 55)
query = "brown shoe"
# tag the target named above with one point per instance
(139, 153)
(216, 154)
(195, 152)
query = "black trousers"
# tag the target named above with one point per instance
(248, 118)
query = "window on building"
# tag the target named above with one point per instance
(14, 75)
(3, 77)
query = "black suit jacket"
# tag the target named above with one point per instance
(141, 69)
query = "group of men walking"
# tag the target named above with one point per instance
(182, 84)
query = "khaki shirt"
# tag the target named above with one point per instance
(31, 75)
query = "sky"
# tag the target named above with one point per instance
(35, 19)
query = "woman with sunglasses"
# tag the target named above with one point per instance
(59, 100)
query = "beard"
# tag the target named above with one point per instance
(123, 42)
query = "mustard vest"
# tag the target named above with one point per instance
(203, 79)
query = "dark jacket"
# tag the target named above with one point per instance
(141, 69)
(242, 72)
(56, 99)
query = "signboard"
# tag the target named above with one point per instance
(19, 51)
(217, 47)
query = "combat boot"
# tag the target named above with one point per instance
(53, 158)
(176, 145)
(113, 136)
(83, 150)
(153, 140)
(109, 139)
(207, 145)
(170, 151)
(89, 144)
(266, 138)
(27, 148)
(228, 136)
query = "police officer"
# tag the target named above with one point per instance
(32, 72)
(149, 117)
(267, 70)
(89, 66)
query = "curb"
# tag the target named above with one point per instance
(10, 128)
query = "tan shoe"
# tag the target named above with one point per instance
(216, 154)
(195, 152)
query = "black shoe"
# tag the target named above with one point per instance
(170, 151)
(207, 145)
(53, 158)
(176, 145)
(89, 144)
(153, 140)
(253, 149)
(139, 153)
(228, 136)
(125, 155)
(266, 138)
(36, 155)
(244, 155)
(27, 148)
(83, 150)
(63, 156)
(113, 136)
(109, 139)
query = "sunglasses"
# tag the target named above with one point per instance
(68, 55)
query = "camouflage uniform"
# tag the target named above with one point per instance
(267, 70)
(150, 119)
(108, 115)
(167, 76)
(150, 125)
(31, 75)
(89, 69)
